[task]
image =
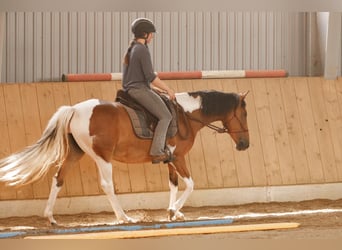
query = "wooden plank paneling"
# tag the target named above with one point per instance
(266, 132)
(308, 126)
(322, 129)
(295, 134)
(16, 129)
(137, 177)
(331, 90)
(295, 127)
(337, 133)
(153, 176)
(281, 139)
(33, 130)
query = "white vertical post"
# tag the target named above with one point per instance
(333, 47)
(315, 35)
(2, 38)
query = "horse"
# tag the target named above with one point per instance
(102, 130)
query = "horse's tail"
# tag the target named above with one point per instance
(34, 161)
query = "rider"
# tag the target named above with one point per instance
(138, 76)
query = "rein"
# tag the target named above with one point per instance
(224, 129)
(211, 126)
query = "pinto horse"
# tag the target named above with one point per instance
(102, 130)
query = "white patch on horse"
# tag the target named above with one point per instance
(173, 196)
(48, 212)
(188, 102)
(171, 148)
(81, 120)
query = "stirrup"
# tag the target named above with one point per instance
(165, 158)
(171, 156)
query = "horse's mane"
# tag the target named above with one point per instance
(215, 102)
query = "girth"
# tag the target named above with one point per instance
(143, 122)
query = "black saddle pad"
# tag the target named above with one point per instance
(143, 122)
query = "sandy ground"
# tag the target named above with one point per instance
(319, 219)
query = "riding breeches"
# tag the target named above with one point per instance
(153, 103)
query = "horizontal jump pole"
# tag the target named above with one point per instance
(172, 232)
(179, 75)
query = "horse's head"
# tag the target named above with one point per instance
(229, 108)
(236, 123)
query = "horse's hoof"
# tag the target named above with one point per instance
(175, 215)
(171, 214)
(131, 220)
(52, 223)
(127, 220)
(179, 216)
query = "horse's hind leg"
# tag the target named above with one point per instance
(105, 172)
(48, 212)
(74, 154)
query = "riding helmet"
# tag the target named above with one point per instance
(142, 26)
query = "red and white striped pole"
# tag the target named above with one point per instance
(178, 75)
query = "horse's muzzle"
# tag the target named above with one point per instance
(242, 144)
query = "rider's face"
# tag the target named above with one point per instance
(149, 37)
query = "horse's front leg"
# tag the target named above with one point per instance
(173, 185)
(175, 168)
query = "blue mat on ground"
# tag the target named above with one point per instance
(131, 227)
(4, 235)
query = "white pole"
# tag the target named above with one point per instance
(333, 47)
(2, 38)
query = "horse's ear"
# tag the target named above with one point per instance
(243, 96)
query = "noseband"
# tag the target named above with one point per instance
(241, 125)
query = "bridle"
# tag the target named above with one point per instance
(220, 130)
(217, 129)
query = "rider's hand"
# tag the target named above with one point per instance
(171, 94)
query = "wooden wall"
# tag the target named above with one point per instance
(295, 132)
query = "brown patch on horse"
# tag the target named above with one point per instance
(103, 130)
(173, 176)
(180, 166)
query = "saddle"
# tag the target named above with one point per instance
(143, 122)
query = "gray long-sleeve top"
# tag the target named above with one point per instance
(139, 70)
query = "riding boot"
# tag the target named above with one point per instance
(165, 158)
